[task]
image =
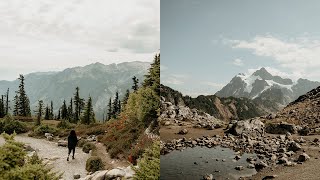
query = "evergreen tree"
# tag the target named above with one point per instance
(7, 102)
(23, 100)
(79, 104)
(16, 105)
(115, 110)
(47, 113)
(153, 76)
(135, 83)
(109, 114)
(64, 110)
(51, 110)
(2, 108)
(59, 115)
(119, 106)
(125, 98)
(70, 111)
(88, 114)
(39, 112)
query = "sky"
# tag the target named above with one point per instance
(51, 35)
(204, 44)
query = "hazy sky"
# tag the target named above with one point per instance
(206, 43)
(49, 35)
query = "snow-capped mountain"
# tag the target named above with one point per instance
(261, 85)
(97, 80)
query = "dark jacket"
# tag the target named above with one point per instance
(72, 141)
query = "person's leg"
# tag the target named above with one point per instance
(74, 149)
(69, 151)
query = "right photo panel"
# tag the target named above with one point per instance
(240, 90)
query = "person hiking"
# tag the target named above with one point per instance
(72, 143)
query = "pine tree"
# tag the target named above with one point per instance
(47, 113)
(153, 76)
(119, 106)
(115, 105)
(79, 104)
(64, 110)
(51, 110)
(125, 98)
(135, 83)
(88, 114)
(7, 102)
(39, 112)
(23, 100)
(16, 105)
(59, 115)
(70, 111)
(2, 109)
(109, 114)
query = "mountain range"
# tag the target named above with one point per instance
(263, 86)
(97, 80)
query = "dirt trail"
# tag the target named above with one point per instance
(57, 156)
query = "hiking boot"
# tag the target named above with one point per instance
(72, 157)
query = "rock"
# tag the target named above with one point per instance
(250, 166)
(208, 177)
(48, 134)
(252, 127)
(239, 168)
(303, 157)
(304, 131)
(260, 165)
(167, 123)
(316, 140)
(270, 177)
(294, 146)
(114, 173)
(237, 157)
(282, 160)
(76, 176)
(183, 131)
(62, 143)
(281, 128)
(49, 138)
(129, 172)
(99, 175)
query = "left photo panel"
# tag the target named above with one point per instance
(79, 89)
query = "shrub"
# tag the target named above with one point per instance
(149, 164)
(94, 163)
(42, 129)
(81, 142)
(87, 147)
(13, 165)
(9, 125)
(65, 125)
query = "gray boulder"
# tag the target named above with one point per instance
(252, 127)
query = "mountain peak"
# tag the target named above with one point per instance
(263, 73)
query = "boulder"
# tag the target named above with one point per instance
(294, 146)
(281, 128)
(100, 175)
(303, 157)
(260, 165)
(114, 173)
(76, 176)
(208, 177)
(239, 168)
(252, 127)
(183, 131)
(63, 143)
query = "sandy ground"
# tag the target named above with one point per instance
(57, 156)
(309, 170)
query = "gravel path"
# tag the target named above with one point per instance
(57, 156)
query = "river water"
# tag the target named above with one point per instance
(193, 163)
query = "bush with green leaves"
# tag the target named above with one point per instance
(143, 105)
(94, 163)
(149, 164)
(42, 129)
(88, 146)
(9, 125)
(13, 164)
(64, 124)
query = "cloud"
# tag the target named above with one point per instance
(299, 55)
(213, 84)
(237, 62)
(173, 79)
